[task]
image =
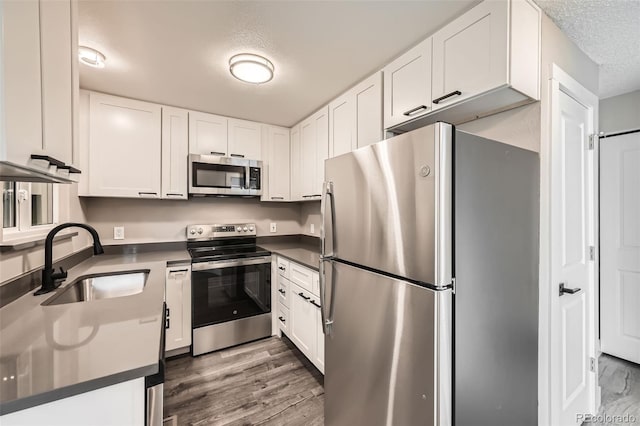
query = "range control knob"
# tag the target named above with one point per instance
(192, 231)
(245, 229)
(239, 229)
(251, 228)
(200, 230)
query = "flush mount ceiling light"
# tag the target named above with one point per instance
(91, 57)
(251, 68)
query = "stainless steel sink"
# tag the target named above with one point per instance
(101, 286)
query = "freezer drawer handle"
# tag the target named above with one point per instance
(564, 290)
(415, 110)
(313, 302)
(303, 296)
(282, 291)
(447, 96)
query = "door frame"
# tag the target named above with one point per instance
(561, 81)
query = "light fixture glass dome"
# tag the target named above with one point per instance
(251, 68)
(91, 57)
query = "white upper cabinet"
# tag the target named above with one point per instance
(368, 101)
(296, 164)
(244, 139)
(124, 147)
(407, 85)
(277, 163)
(39, 79)
(207, 134)
(470, 54)
(175, 153)
(342, 125)
(314, 140)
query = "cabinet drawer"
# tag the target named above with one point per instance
(283, 267)
(284, 295)
(301, 276)
(283, 318)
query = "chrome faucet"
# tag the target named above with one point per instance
(51, 279)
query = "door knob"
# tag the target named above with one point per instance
(564, 290)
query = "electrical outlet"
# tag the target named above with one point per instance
(273, 227)
(118, 232)
(313, 228)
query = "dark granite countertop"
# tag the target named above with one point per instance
(303, 250)
(53, 352)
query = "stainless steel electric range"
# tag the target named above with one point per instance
(231, 286)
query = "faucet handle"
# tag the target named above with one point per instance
(60, 275)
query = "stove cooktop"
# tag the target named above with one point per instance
(209, 253)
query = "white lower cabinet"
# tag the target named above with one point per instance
(178, 300)
(299, 315)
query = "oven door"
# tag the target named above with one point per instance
(227, 290)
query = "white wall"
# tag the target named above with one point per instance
(620, 113)
(166, 220)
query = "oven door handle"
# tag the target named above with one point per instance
(218, 264)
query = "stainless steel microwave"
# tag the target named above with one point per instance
(214, 175)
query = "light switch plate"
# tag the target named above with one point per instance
(273, 227)
(118, 232)
(313, 228)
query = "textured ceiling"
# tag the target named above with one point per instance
(176, 52)
(609, 32)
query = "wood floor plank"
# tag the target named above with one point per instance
(268, 382)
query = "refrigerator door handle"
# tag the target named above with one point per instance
(326, 309)
(327, 201)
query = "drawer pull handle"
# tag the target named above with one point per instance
(175, 195)
(148, 194)
(281, 291)
(277, 198)
(167, 323)
(282, 319)
(237, 155)
(447, 96)
(313, 302)
(303, 296)
(415, 110)
(282, 268)
(217, 153)
(311, 196)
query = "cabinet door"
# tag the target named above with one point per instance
(207, 134)
(322, 150)
(56, 60)
(407, 85)
(178, 299)
(308, 153)
(296, 164)
(124, 147)
(244, 139)
(314, 133)
(470, 54)
(342, 125)
(175, 153)
(278, 163)
(367, 96)
(302, 327)
(21, 95)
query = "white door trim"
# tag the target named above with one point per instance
(561, 81)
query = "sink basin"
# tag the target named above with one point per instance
(101, 286)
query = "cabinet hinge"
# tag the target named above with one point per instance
(592, 253)
(592, 365)
(592, 141)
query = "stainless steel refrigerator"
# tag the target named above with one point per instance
(429, 282)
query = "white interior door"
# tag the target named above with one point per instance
(572, 327)
(620, 246)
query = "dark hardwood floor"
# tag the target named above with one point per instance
(268, 382)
